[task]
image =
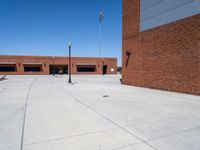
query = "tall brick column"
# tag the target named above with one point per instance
(131, 18)
(131, 29)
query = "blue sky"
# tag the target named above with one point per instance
(43, 27)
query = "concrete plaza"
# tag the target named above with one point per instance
(95, 113)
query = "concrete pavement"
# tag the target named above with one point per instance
(95, 113)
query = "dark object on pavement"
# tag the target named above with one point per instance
(105, 95)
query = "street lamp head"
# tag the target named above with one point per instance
(69, 44)
(101, 16)
(101, 13)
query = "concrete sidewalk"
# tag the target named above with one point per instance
(95, 113)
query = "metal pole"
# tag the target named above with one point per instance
(101, 18)
(70, 80)
(103, 66)
(100, 40)
(53, 67)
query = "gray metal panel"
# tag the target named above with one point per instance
(159, 12)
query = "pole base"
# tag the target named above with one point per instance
(70, 81)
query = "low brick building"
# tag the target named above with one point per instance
(165, 57)
(45, 65)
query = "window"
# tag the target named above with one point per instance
(33, 68)
(7, 68)
(86, 68)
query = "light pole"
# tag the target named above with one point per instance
(53, 66)
(103, 66)
(70, 45)
(101, 18)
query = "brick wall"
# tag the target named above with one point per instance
(166, 57)
(46, 61)
(131, 18)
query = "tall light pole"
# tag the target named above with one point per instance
(70, 45)
(53, 66)
(101, 18)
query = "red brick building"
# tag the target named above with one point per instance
(166, 57)
(45, 65)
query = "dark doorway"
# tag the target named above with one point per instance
(86, 68)
(33, 68)
(8, 68)
(58, 69)
(105, 69)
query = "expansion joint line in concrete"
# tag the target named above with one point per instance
(108, 119)
(67, 137)
(24, 118)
